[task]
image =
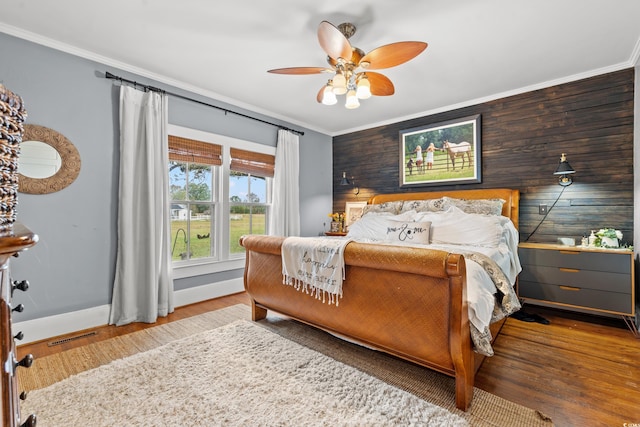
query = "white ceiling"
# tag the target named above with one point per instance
(478, 50)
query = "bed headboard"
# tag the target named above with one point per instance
(510, 196)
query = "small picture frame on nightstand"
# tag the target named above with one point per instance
(353, 212)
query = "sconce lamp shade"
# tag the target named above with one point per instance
(564, 169)
(344, 180)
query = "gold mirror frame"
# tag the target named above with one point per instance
(69, 169)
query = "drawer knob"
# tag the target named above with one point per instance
(19, 336)
(19, 308)
(23, 395)
(30, 422)
(22, 285)
(26, 361)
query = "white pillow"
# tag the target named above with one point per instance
(408, 232)
(454, 226)
(393, 228)
(431, 205)
(475, 206)
(393, 207)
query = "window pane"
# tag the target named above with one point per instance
(179, 240)
(239, 225)
(244, 219)
(178, 180)
(200, 231)
(258, 220)
(238, 187)
(199, 182)
(258, 189)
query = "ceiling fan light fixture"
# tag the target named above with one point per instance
(328, 97)
(363, 90)
(352, 100)
(350, 65)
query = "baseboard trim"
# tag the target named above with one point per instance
(52, 326)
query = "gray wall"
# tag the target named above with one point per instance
(72, 267)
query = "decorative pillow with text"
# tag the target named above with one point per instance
(408, 232)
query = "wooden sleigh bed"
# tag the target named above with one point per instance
(406, 301)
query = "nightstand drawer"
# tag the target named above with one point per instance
(600, 300)
(597, 261)
(586, 279)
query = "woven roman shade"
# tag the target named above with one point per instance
(192, 151)
(253, 163)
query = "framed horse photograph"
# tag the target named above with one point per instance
(445, 153)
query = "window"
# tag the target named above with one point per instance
(249, 198)
(220, 189)
(193, 169)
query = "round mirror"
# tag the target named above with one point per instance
(48, 161)
(38, 160)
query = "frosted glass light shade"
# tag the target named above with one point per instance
(352, 100)
(328, 97)
(364, 88)
(339, 84)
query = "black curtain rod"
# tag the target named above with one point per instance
(108, 75)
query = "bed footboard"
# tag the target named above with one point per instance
(408, 302)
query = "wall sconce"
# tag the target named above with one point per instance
(564, 170)
(346, 181)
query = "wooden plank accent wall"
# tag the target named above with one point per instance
(523, 137)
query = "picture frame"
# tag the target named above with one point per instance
(352, 212)
(444, 153)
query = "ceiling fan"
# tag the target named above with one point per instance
(350, 66)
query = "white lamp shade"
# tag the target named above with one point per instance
(352, 100)
(328, 97)
(339, 84)
(364, 88)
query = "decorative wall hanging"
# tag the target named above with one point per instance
(442, 153)
(69, 162)
(12, 115)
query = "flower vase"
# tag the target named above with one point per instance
(609, 242)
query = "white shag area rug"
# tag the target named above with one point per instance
(236, 375)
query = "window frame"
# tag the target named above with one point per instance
(225, 260)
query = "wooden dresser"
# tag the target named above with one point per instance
(595, 280)
(12, 242)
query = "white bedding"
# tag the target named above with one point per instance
(458, 232)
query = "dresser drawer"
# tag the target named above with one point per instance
(597, 261)
(589, 298)
(586, 279)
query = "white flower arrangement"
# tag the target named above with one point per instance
(608, 238)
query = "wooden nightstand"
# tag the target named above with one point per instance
(597, 280)
(335, 233)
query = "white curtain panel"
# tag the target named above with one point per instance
(143, 285)
(285, 213)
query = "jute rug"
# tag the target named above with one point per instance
(220, 368)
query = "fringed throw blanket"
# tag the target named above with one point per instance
(315, 266)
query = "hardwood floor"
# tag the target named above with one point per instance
(579, 370)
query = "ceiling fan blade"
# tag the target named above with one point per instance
(380, 84)
(301, 70)
(320, 94)
(333, 42)
(393, 54)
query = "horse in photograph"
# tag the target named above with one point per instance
(461, 149)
